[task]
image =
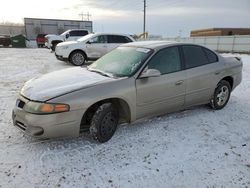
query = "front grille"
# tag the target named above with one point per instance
(21, 125)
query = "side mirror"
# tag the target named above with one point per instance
(150, 73)
(67, 36)
(88, 42)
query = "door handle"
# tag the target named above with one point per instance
(217, 73)
(179, 82)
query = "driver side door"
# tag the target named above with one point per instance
(164, 93)
(97, 46)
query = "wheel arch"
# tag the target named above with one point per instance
(120, 104)
(78, 50)
(230, 80)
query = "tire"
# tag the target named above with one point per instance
(104, 123)
(53, 47)
(221, 95)
(77, 58)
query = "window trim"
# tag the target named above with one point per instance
(202, 48)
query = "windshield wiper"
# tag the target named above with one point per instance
(101, 72)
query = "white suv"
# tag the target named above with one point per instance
(90, 47)
(70, 35)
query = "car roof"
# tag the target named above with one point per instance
(102, 33)
(77, 30)
(157, 45)
(152, 44)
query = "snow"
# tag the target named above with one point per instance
(199, 147)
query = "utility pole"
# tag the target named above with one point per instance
(83, 15)
(144, 19)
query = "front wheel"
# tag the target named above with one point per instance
(104, 122)
(221, 95)
(53, 47)
(77, 58)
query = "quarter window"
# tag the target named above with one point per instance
(166, 61)
(212, 57)
(194, 56)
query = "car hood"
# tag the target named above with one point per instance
(61, 82)
(67, 43)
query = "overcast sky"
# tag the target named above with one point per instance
(164, 17)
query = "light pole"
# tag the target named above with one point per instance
(144, 19)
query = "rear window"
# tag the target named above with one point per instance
(194, 56)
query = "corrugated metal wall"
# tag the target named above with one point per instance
(236, 44)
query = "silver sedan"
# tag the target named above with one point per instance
(136, 80)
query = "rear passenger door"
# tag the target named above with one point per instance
(116, 40)
(201, 65)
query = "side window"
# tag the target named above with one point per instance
(82, 33)
(194, 56)
(212, 57)
(78, 33)
(73, 33)
(99, 39)
(117, 39)
(166, 60)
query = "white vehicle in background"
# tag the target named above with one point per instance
(90, 47)
(70, 35)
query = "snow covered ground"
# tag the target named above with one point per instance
(193, 148)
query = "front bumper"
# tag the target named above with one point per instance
(61, 58)
(66, 124)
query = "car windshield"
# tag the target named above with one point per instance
(65, 32)
(86, 37)
(121, 62)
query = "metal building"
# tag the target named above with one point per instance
(35, 26)
(220, 32)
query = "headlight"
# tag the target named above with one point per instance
(45, 108)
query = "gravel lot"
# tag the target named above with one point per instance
(194, 148)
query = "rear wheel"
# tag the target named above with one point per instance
(77, 58)
(104, 122)
(221, 95)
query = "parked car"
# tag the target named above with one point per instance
(90, 47)
(40, 40)
(5, 40)
(134, 81)
(70, 35)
